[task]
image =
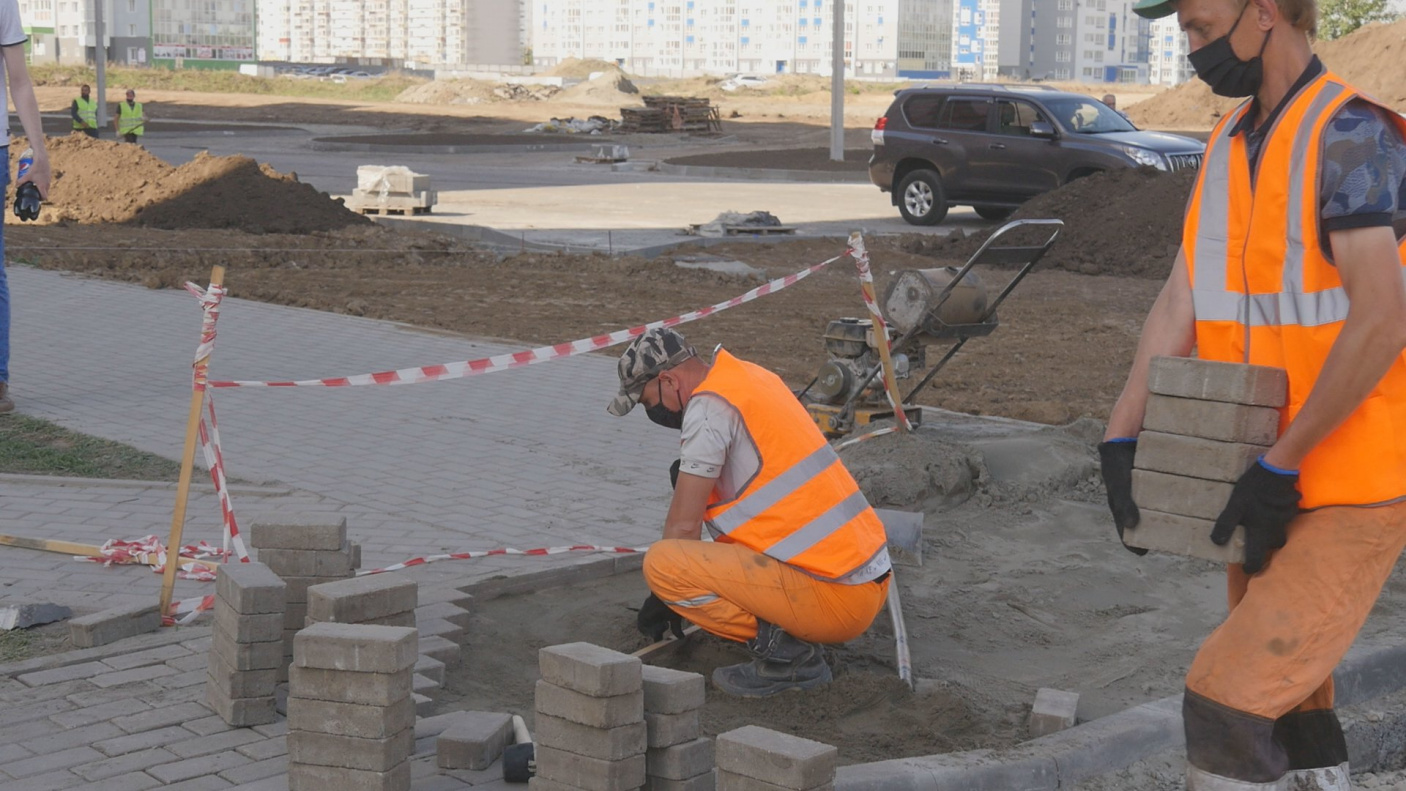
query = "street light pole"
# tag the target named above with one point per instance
(837, 84)
(100, 61)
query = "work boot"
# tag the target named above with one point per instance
(1328, 778)
(6, 404)
(779, 663)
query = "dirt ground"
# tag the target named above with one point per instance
(782, 159)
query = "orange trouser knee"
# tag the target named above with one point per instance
(1292, 623)
(725, 588)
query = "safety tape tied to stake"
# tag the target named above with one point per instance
(210, 299)
(860, 253)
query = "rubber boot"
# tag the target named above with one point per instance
(1330, 778)
(1201, 780)
(779, 663)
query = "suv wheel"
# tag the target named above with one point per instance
(921, 200)
(993, 213)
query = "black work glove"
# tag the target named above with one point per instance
(1116, 462)
(1264, 501)
(655, 618)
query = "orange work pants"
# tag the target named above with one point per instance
(725, 588)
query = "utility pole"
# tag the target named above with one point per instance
(100, 61)
(837, 84)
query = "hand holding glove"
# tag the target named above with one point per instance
(655, 618)
(1116, 462)
(1264, 500)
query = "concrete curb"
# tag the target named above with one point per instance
(504, 585)
(167, 636)
(764, 174)
(252, 490)
(323, 144)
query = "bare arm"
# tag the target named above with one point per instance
(685, 519)
(1372, 338)
(22, 94)
(1170, 330)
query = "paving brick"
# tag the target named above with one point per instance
(1053, 711)
(328, 564)
(207, 725)
(430, 668)
(50, 781)
(202, 783)
(610, 744)
(260, 628)
(296, 615)
(424, 704)
(349, 719)
(361, 599)
(122, 764)
(59, 675)
(1252, 425)
(161, 717)
(105, 710)
(109, 626)
(242, 712)
(49, 742)
(667, 730)
(120, 677)
(232, 683)
(704, 782)
(250, 588)
(423, 686)
(151, 656)
(307, 777)
(298, 531)
(355, 555)
(475, 740)
(681, 761)
(443, 650)
(437, 627)
(1180, 495)
(132, 781)
(591, 774)
(356, 647)
(668, 691)
(449, 612)
(1184, 535)
(195, 767)
(611, 712)
(775, 757)
(399, 619)
(341, 686)
(1194, 457)
(589, 669)
(214, 743)
(121, 745)
(348, 752)
(1208, 380)
(729, 781)
(267, 748)
(298, 588)
(258, 770)
(48, 762)
(247, 656)
(433, 594)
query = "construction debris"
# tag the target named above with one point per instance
(731, 223)
(606, 154)
(572, 126)
(391, 190)
(27, 615)
(672, 114)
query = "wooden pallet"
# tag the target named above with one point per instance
(672, 114)
(386, 210)
(746, 230)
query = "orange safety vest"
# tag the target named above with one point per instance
(802, 507)
(1264, 292)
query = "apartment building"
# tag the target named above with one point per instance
(1167, 63)
(1087, 41)
(393, 32)
(883, 38)
(65, 31)
(210, 34)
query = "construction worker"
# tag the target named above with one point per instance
(1288, 259)
(130, 121)
(85, 113)
(798, 558)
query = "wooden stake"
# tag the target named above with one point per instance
(178, 517)
(665, 645)
(82, 550)
(881, 333)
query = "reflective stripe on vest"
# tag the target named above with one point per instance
(1264, 292)
(129, 119)
(87, 113)
(802, 507)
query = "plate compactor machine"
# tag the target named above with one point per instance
(923, 307)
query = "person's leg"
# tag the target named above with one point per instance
(1258, 703)
(6, 404)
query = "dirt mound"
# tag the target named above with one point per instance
(581, 69)
(906, 471)
(98, 181)
(448, 92)
(1372, 58)
(612, 88)
(1118, 222)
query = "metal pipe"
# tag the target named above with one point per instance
(900, 633)
(837, 83)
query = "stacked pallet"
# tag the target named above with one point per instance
(671, 114)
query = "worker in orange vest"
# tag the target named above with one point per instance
(798, 558)
(1289, 259)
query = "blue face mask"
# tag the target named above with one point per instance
(662, 415)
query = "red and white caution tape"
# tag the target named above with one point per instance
(542, 354)
(149, 551)
(860, 254)
(502, 551)
(866, 437)
(187, 610)
(210, 299)
(215, 461)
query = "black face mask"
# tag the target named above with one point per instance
(1217, 65)
(663, 416)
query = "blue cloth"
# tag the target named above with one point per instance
(4, 283)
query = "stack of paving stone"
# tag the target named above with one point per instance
(304, 551)
(1206, 423)
(678, 759)
(590, 720)
(753, 758)
(246, 648)
(351, 721)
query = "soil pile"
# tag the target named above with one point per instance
(448, 92)
(576, 68)
(97, 181)
(1372, 58)
(612, 89)
(1118, 222)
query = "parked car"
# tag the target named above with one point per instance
(742, 81)
(993, 147)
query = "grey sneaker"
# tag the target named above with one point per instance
(780, 663)
(6, 403)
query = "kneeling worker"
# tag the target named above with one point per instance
(798, 557)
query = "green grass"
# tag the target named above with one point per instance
(37, 447)
(376, 89)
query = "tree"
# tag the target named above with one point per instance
(1337, 18)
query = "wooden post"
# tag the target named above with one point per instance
(881, 332)
(178, 517)
(83, 550)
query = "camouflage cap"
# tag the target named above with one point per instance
(646, 357)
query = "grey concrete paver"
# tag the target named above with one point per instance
(49, 762)
(145, 740)
(192, 768)
(122, 764)
(132, 781)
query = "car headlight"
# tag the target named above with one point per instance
(1143, 156)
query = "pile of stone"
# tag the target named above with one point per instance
(677, 758)
(590, 720)
(1206, 423)
(246, 649)
(351, 720)
(304, 551)
(752, 758)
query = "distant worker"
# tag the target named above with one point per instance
(130, 121)
(798, 558)
(85, 113)
(1288, 259)
(1112, 102)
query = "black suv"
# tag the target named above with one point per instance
(994, 147)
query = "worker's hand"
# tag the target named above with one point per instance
(39, 173)
(655, 618)
(1264, 501)
(1116, 461)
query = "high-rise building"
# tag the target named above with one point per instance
(1087, 41)
(392, 32)
(1167, 63)
(676, 37)
(212, 35)
(65, 31)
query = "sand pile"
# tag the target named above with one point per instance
(1118, 222)
(1372, 58)
(99, 181)
(576, 68)
(612, 89)
(448, 92)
